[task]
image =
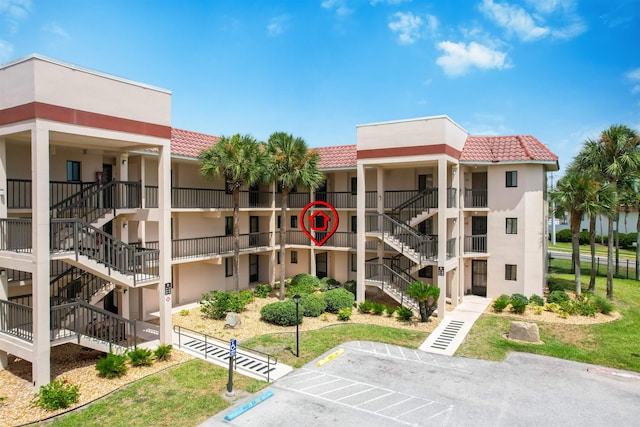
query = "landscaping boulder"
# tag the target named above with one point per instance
(524, 331)
(232, 321)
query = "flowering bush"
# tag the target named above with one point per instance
(58, 394)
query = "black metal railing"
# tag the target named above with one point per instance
(423, 201)
(383, 274)
(16, 320)
(150, 196)
(452, 197)
(211, 246)
(406, 237)
(451, 248)
(475, 198)
(79, 318)
(475, 244)
(19, 192)
(211, 342)
(15, 235)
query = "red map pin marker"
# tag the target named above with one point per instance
(322, 219)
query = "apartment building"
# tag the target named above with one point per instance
(106, 222)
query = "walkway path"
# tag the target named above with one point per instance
(450, 333)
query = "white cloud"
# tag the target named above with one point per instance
(634, 74)
(277, 25)
(391, 2)
(460, 58)
(432, 25)
(55, 29)
(6, 51)
(514, 19)
(339, 6)
(407, 26)
(635, 89)
(16, 9)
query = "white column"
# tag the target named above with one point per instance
(442, 235)
(4, 283)
(40, 250)
(361, 200)
(164, 234)
(380, 209)
(272, 239)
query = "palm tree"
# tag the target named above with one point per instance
(240, 159)
(631, 199)
(615, 157)
(427, 297)
(291, 164)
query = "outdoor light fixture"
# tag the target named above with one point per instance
(296, 299)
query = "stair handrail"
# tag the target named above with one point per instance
(421, 242)
(413, 199)
(103, 330)
(75, 198)
(271, 359)
(401, 287)
(87, 240)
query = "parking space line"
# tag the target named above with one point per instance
(319, 384)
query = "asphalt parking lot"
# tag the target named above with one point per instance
(373, 384)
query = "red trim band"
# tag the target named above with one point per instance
(409, 151)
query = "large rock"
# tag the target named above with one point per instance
(232, 321)
(524, 331)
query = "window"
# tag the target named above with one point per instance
(512, 226)
(278, 257)
(354, 262)
(512, 178)
(294, 257)
(73, 170)
(426, 272)
(228, 267)
(228, 225)
(354, 224)
(510, 272)
(294, 221)
(354, 186)
(278, 222)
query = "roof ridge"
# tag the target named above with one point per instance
(524, 146)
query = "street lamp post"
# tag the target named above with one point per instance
(296, 299)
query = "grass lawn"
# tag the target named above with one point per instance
(614, 344)
(188, 394)
(601, 250)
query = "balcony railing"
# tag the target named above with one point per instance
(475, 198)
(451, 248)
(475, 244)
(452, 197)
(16, 320)
(408, 238)
(19, 192)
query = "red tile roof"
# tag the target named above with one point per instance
(339, 156)
(505, 148)
(189, 144)
(476, 148)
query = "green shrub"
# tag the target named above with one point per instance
(313, 305)
(601, 304)
(351, 286)
(163, 352)
(365, 307)
(263, 290)
(628, 240)
(58, 394)
(518, 303)
(112, 365)
(500, 303)
(378, 308)
(558, 297)
(537, 300)
(338, 299)
(281, 313)
(344, 314)
(390, 311)
(184, 312)
(563, 236)
(584, 238)
(216, 304)
(404, 313)
(302, 284)
(327, 283)
(581, 305)
(140, 357)
(555, 286)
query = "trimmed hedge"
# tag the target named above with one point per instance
(338, 299)
(281, 313)
(558, 297)
(313, 305)
(302, 284)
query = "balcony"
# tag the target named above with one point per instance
(451, 248)
(475, 198)
(475, 244)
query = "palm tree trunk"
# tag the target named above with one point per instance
(575, 246)
(283, 239)
(592, 243)
(236, 238)
(618, 246)
(610, 259)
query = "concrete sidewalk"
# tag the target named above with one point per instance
(450, 333)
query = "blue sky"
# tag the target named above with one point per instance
(561, 70)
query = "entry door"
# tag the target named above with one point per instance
(479, 277)
(253, 268)
(254, 196)
(254, 231)
(425, 181)
(321, 265)
(321, 192)
(479, 189)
